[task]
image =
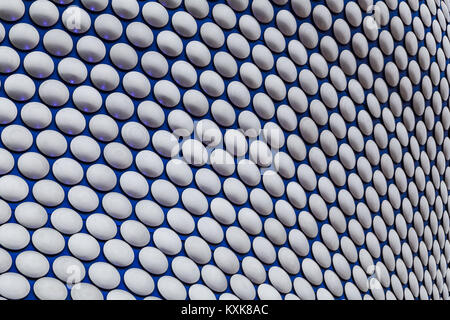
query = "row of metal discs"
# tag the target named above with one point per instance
(105, 276)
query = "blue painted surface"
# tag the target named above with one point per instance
(153, 47)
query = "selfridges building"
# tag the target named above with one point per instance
(229, 149)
